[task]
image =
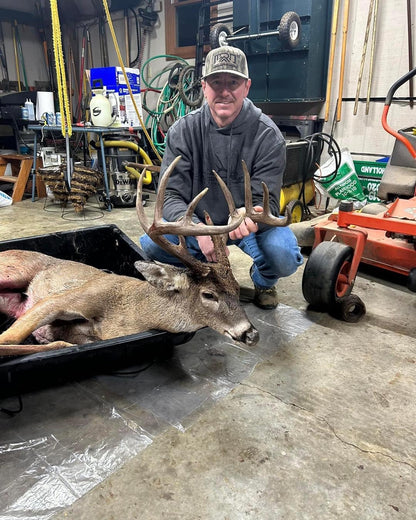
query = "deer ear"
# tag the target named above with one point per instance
(163, 276)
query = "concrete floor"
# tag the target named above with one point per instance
(316, 422)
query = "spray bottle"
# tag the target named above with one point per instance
(30, 109)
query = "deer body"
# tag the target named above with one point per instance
(62, 302)
(69, 302)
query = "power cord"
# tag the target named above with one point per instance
(316, 144)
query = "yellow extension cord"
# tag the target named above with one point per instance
(66, 124)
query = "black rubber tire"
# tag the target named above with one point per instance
(324, 278)
(295, 208)
(174, 75)
(290, 30)
(350, 309)
(189, 87)
(411, 280)
(218, 35)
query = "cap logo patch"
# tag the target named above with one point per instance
(226, 57)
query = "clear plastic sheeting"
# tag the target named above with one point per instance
(70, 438)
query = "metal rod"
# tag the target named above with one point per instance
(373, 45)
(410, 46)
(360, 76)
(252, 36)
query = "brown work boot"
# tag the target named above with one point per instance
(265, 298)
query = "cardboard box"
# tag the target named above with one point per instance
(111, 80)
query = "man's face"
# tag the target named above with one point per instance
(225, 95)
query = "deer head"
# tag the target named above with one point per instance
(215, 291)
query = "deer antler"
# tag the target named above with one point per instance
(184, 226)
(265, 216)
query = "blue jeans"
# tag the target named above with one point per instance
(275, 253)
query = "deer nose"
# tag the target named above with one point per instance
(251, 336)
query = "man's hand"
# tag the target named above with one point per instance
(246, 227)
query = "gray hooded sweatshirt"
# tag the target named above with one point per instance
(204, 147)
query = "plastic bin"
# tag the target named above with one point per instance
(104, 247)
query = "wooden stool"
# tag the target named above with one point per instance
(21, 168)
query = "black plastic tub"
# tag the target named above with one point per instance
(104, 247)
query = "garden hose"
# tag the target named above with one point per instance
(169, 106)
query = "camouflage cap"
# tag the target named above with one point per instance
(226, 59)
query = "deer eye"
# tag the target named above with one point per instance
(209, 295)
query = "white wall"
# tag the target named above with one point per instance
(364, 133)
(360, 133)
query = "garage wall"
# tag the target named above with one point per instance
(360, 133)
(364, 133)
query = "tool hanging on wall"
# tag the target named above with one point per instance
(363, 54)
(410, 47)
(81, 74)
(89, 56)
(371, 19)
(72, 79)
(44, 40)
(331, 57)
(16, 58)
(343, 53)
(127, 35)
(3, 59)
(103, 42)
(20, 52)
(137, 62)
(373, 46)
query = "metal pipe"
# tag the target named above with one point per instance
(410, 49)
(360, 76)
(252, 36)
(373, 45)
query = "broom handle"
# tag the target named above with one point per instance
(344, 48)
(360, 76)
(410, 48)
(331, 57)
(373, 45)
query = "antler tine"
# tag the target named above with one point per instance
(160, 196)
(247, 190)
(179, 250)
(185, 226)
(141, 215)
(227, 194)
(187, 218)
(265, 216)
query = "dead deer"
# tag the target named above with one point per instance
(62, 302)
